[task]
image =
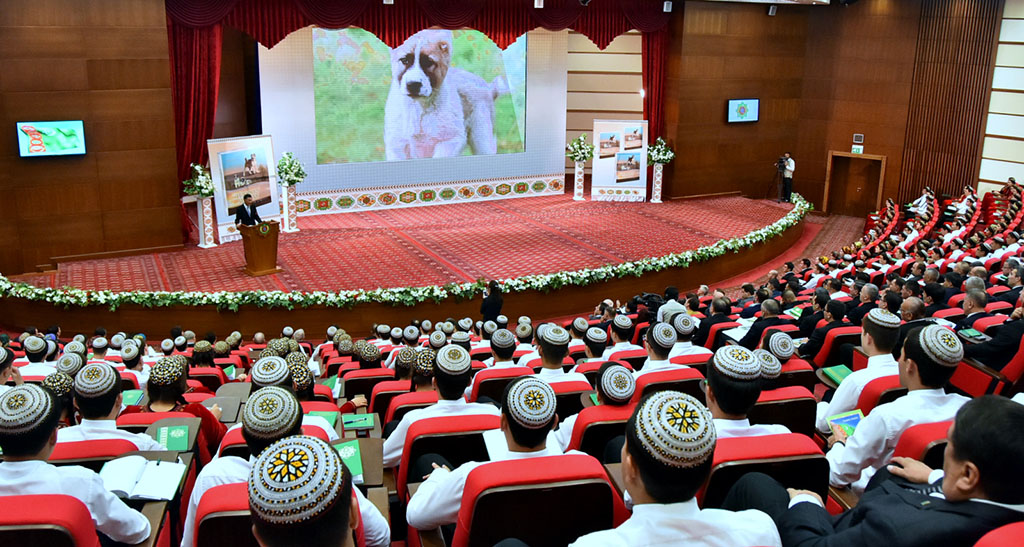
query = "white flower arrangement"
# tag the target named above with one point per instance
(289, 170)
(660, 152)
(401, 296)
(201, 183)
(578, 149)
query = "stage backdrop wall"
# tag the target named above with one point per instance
(287, 102)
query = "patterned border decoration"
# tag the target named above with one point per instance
(370, 199)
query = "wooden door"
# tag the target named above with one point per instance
(854, 184)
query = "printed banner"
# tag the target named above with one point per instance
(243, 166)
(619, 168)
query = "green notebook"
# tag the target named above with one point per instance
(349, 452)
(971, 333)
(795, 312)
(593, 397)
(229, 371)
(847, 420)
(331, 417)
(357, 421)
(331, 382)
(173, 437)
(131, 396)
(837, 373)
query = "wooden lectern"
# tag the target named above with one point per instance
(260, 244)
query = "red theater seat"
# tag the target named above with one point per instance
(91, 454)
(458, 438)
(138, 422)
(880, 391)
(405, 402)
(686, 380)
(361, 382)
(384, 392)
(977, 379)
(491, 382)
(792, 459)
(569, 397)
(322, 392)
(714, 330)
(836, 337)
(924, 442)
(793, 407)
(50, 520)
(211, 377)
(596, 425)
(1011, 534)
(797, 372)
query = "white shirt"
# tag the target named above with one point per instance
(621, 346)
(94, 430)
(557, 376)
(1012, 248)
(687, 348)
(44, 369)
(438, 499)
(310, 420)
(741, 428)
(790, 167)
(528, 357)
(497, 364)
(668, 307)
(656, 366)
(912, 236)
(848, 392)
(685, 523)
(109, 514)
(142, 376)
(955, 255)
(395, 443)
(231, 469)
(872, 443)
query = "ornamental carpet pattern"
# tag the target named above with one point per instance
(436, 245)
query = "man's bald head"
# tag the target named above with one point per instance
(912, 308)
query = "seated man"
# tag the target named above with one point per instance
(503, 347)
(998, 351)
(930, 356)
(982, 488)
(615, 387)
(879, 331)
(659, 341)
(28, 433)
(934, 299)
(735, 377)
(685, 327)
(720, 308)
(300, 493)
(834, 312)
(577, 329)
(36, 351)
(1014, 281)
(770, 310)
(667, 457)
(974, 308)
(452, 373)
(594, 342)
(553, 345)
(527, 415)
(622, 333)
(868, 302)
(98, 400)
(274, 371)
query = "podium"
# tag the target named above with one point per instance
(260, 243)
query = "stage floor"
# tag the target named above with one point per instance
(437, 245)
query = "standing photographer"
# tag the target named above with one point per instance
(786, 166)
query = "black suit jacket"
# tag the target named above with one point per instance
(814, 344)
(1010, 296)
(247, 215)
(753, 336)
(701, 336)
(904, 329)
(998, 351)
(932, 308)
(809, 322)
(856, 315)
(968, 322)
(894, 517)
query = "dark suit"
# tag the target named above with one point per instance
(856, 315)
(701, 336)
(998, 351)
(753, 336)
(968, 322)
(904, 329)
(750, 310)
(930, 309)
(1010, 296)
(887, 515)
(247, 215)
(813, 345)
(809, 322)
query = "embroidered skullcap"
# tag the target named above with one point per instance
(383, 330)
(167, 344)
(293, 345)
(524, 320)
(453, 360)
(337, 337)
(411, 333)
(74, 346)
(501, 319)
(70, 363)
(618, 384)
(884, 318)
(859, 263)
(270, 412)
(80, 338)
(675, 429)
(34, 344)
(958, 241)
(331, 330)
(278, 346)
(684, 324)
(406, 356)
(999, 240)
(503, 338)
(222, 348)
(129, 352)
(99, 343)
(180, 360)
(369, 352)
(523, 330)
(287, 331)
(437, 339)
(781, 345)
(596, 336)
(396, 332)
(580, 325)
(202, 346)
(463, 337)
(270, 371)
(24, 408)
(622, 321)
(531, 402)
(424, 365)
(447, 327)
(296, 479)
(23, 336)
(180, 341)
(847, 257)
(165, 373)
(426, 324)
(490, 327)
(189, 335)
(1014, 234)
(296, 358)
(663, 335)
(737, 362)
(771, 368)
(553, 334)
(59, 384)
(479, 325)
(941, 345)
(116, 340)
(96, 380)
(131, 342)
(465, 323)
(344, 346)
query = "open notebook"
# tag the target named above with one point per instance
(135, 477)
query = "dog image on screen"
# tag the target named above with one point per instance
(434, 110)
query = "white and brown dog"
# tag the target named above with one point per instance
(433, 109)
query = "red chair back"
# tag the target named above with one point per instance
(792, 406)
(383, 392)
(792, 459)
(880, 391)
(1010, 534)
(53, 520)
(361, 382)
(233, 444)
(566, 497)
(458, 438)
(984, 323)
(924, 442)
(138, 422)
(491, 382)
(405, 402)
(956, 300)
(323, 393)
(568, 396)
(686, 380)
(715, 329)
(596, 425)
(128, 381)
(222, 517)
(833, 339)
(90, 454)
(211, 377)
(790, 327)
(635, 357)
(639, 331)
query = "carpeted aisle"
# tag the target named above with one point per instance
(437, 245)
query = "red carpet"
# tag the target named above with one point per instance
(437, 245)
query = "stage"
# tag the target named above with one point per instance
(436, 245)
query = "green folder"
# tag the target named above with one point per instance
(331, 417)
(173, 437)
(971, 333)
(795, 312)
(837, 373)
(331, 382)
(349, 452)
(357, 421)
(131, 396)
(847, 420)
(229, 371)
(593, 397)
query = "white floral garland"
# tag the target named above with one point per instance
(402, 296)
(289, 170)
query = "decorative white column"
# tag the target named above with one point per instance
(578, 184)
(656, 186)
(291, 223)
(206, 239)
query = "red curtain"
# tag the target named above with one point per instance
(655, 53)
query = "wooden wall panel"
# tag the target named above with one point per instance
(104, 62)
(952, 78)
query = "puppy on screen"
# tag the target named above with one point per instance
(433, 109)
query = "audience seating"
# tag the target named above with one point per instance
(233, 443)
(128, 381)
(458, 438)
(569, 397)
(361, 382)
(711, 342)
(976, 379)
(696, 361)
(222, 517)
(196, 397)
(90, 454)
(211, 377)
(322, 392)
(1010, 534)
(51, 520)
(797, 372)
(924, 442)
(986, 323)
(686, 380)
(138, 422)
(491, 382)
(880, 391)
(596, 425)
(384, 392)
(828, 355)
(793, 407)
(405, 402)
(792, 459)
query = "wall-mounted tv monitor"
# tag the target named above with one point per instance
(743, 110)
(61, 138)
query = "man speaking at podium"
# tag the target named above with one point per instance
(247, 214)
